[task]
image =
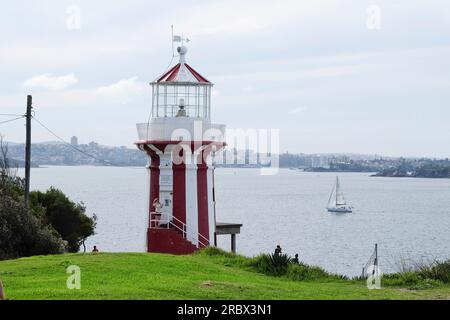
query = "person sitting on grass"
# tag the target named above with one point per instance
(95, 250)
(2, 292)
(295, 260)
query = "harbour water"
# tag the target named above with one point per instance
(409, 218)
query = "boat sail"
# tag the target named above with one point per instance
(337, 202)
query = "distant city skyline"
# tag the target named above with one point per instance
(366, 77)
(320, 157)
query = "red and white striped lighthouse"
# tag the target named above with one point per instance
(180, 142)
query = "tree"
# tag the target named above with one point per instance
(52, 217)
(21, 232)
(65, 216)
(10, 184)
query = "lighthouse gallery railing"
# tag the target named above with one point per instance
(155, 224)
(163, 129)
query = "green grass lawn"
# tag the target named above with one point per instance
(159, 276)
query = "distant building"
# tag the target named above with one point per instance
(74, 141)
(320, 161)
(93, 145)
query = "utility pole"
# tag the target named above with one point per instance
(376, 254)
(28, 150)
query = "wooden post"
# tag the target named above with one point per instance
(233, 242)
(2, 291)
(28, 150)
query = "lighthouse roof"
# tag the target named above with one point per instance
(182, 72)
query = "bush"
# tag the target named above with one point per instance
(303, 272)
(410, 279)
(65, 216)
(271, 264)
(51, 218)
(439, 271)
(22, 234)
(426, 284)
(407, 278)
(421, 276)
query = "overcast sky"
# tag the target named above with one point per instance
(334, 76)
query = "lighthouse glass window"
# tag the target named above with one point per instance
(169, 98)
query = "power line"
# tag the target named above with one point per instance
(10, 114)
(72, 146)
(10, 120)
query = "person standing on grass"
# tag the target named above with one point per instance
(2, 292)
(295, 260)
(277, 251)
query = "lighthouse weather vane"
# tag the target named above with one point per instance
(178, 39)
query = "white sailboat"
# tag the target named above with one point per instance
(337, 202)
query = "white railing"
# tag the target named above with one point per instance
(171, 129)
(157, 223)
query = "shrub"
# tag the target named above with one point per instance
(22, 234)
(420, 276)
(271, 264)
(411, 279)
(426, 284)
(52, 217)
(303, 272)
(65, 216)
(407, 278)
(439, 271)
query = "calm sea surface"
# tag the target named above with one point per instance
(408, 218)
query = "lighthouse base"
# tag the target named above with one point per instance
(168, 241)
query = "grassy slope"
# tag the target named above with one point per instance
(157, 276)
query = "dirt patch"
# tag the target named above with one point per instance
(206, 284)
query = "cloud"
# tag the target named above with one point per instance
(298, 110)
(122, 86)
(239, 26)
(50, 82)
(126, 91)
(236, 18)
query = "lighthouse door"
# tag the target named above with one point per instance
(166, 187)
(166, 200)
(166, 194)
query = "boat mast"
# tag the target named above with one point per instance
(331, 196)
(337, 190)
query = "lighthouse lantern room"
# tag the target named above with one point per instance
(181, 87)
(180, 141)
